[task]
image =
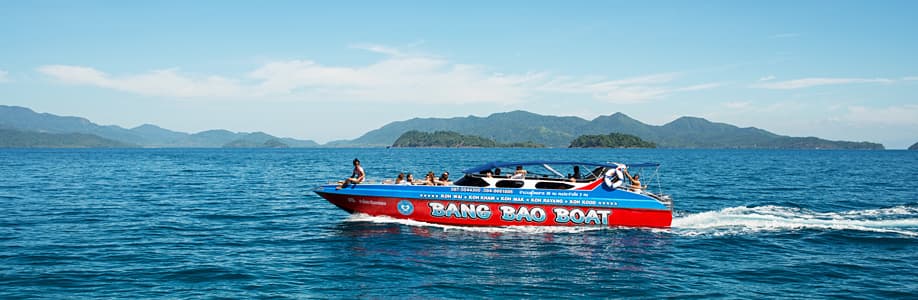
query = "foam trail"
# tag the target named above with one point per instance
(359, 217)
(901, 220)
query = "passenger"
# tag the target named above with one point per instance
(400, 179)
(488, 174)
(430, 179)
(409, 179)
(576, 175)
(519, 173)
(496, 172)
(635, 182)
(444, 179)
(357, 176)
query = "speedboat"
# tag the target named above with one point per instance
(539, 196)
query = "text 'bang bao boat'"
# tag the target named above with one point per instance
(539, 196)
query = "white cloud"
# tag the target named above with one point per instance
(767, 78)
(630, 94)
(738, 105)
(3, 76)
(910, 78)
(389, 50)
(413, 79)
(622, 91)
(399, 77)
(642, 80)
(631, 90)
(158, 82)
(760, 109)
(892, 115)
(699, 87)
(379, 49)
(817, 81)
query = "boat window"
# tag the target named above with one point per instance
(553, 185)
(509, 184)
(471, 181)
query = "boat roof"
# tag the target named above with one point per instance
(502, 164)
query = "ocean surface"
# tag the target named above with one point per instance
(211, 223)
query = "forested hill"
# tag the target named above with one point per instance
(612, 140)
(913, 147)
(449, 139)
(11, 138)
(25, 120)
(554, 131)
(514, 129)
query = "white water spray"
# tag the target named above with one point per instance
(739, 220)
(900, 220)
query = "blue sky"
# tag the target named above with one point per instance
(325, 71)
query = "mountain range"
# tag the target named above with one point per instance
(11, 138)
(30, 128)
(25, 124)
(555, 131)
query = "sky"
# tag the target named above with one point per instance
(330, 70)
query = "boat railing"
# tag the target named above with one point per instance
(537, 177)
(368, 181)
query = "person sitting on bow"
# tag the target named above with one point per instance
(357, 176)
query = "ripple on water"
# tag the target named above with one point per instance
(196, 223)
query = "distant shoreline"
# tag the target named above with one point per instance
(455, 148)
(22, 127)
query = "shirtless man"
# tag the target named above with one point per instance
(357, 175)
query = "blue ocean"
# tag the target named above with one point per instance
(244, 223)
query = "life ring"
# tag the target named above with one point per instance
(613, 178)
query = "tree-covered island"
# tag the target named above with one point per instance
(612, 140)
(451, 139)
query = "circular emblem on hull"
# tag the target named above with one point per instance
(405, 207)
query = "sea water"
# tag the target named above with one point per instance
(203, 223)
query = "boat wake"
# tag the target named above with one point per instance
(901, 220)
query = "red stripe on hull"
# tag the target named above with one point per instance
(498, 214)
(591, 186)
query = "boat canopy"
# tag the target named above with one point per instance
(504, 164)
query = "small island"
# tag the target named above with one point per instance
(451, 139)
(914, 146)
(612, 140)
(243, 143)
